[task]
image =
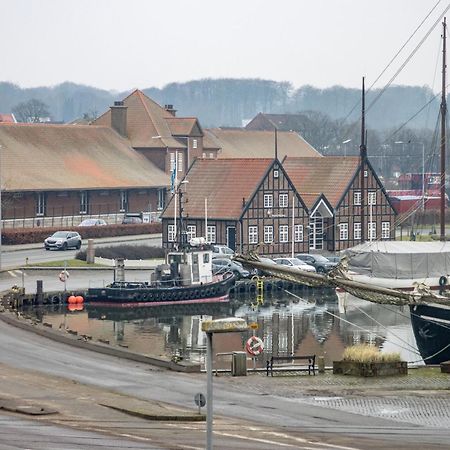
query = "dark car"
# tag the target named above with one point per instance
(333, 258)
(222, 265)
(62, 240)
(322, 264)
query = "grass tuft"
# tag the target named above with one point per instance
(365, 353)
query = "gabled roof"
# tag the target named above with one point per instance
(147, 126)
(330, 175)
(184, 126)
(242, 143)
(283, 122)
(62, 157)
(224, 183)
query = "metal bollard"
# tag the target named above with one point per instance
(39, 292)
(321, 364)
(90, 252)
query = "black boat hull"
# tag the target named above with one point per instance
(140, 294)
(431, 326)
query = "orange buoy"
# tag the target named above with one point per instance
(79, 307)
(79, 299)
(72, 299)
(72, 307)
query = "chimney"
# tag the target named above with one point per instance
(119, 118)
(170, 109)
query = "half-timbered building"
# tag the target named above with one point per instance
(246, 204)
(331, 189)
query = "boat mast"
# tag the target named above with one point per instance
(443, 130)
(363, 157)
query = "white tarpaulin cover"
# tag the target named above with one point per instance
(400, 259)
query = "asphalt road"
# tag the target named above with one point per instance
(287, 416)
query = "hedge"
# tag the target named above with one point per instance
(14, 236)
(126, 252)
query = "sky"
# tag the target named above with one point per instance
(125, 44)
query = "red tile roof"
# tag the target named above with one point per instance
(182, 126)
(224, 182)
(62, 157)
(7, 118)
(329, 175)
(147, 125)
(242, 143)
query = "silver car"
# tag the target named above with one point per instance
(295, 263)
(62, 240)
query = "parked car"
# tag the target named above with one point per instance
(266, 260)
(62, 240)
(131, 219)
(222, 265)
(92, 223)
(322, 264)
(222, 251)
(295, 263)
(334, 259)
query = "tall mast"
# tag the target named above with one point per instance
(363, 157)
(443, 131)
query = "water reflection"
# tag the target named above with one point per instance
(314, 323)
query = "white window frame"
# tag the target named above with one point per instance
(372, 198)
(372, 230)
(385, 230)
(357, 198)
(84, 202)
(194, 143)
(211, 155)
(343, 231)
(180, 162)
(252, 234)
(283, 233)
(268, 234)
(123, 201)
(211, 234)
(298, 233)
(357, 230)
(161, 198)
(283, 200)
(172, 162)
(41, 204)
(275, 173)
(171, 233)
(268, 200)
(204, 155)
(191, 232)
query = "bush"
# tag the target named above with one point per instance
(368, 354)
(125, 252)
(14, 236)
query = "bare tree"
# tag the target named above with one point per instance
(32, 111)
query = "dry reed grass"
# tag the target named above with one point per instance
(365, 353)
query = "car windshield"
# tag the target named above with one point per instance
(297, 262)
(321, 259)
(60, 234)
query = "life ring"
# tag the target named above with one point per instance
(63, 275)
(254, 345)
(443, 281)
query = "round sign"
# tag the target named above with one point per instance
(254, 326)
(64, 275)
(200, 399)
(254, 346)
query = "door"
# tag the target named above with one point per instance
(231, 237)
(316, 232)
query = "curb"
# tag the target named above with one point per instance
(80, 342)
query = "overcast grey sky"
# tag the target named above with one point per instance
(124, 44)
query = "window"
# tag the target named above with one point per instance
(372, 230)
(298, 233)
(171, 233)
(211, 155)
(203, 155)
(205, 258)
(211, 234)
(385, 230)
(343, 231)
(268, 201)
(357, 197)
(194, 143)
(372, 198)
(84, 202)
(284, 233)
(268, 234)
(180, 162)
(283, 200)
(366, 174)
(357, 230)
(252, 234)
(275, 174)
(161, 198)
(172, 161)
(123, 201)
(41, 204)
(191, 232)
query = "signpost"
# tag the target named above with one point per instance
(199, 400)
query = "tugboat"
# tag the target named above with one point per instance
(185, 278)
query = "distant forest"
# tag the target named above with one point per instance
(232, 102)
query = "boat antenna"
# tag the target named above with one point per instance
(443, 131)
(363, 157)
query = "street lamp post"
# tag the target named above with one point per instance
(227, 325)
(345, 145)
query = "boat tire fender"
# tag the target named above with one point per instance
(163, 296)
(443, 280)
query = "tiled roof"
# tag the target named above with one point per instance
(62, 157)
(286, 122)
(182, 126)
(224, 182)
(242, 143)
(7, 118)
(147, 126)
(329, 175)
